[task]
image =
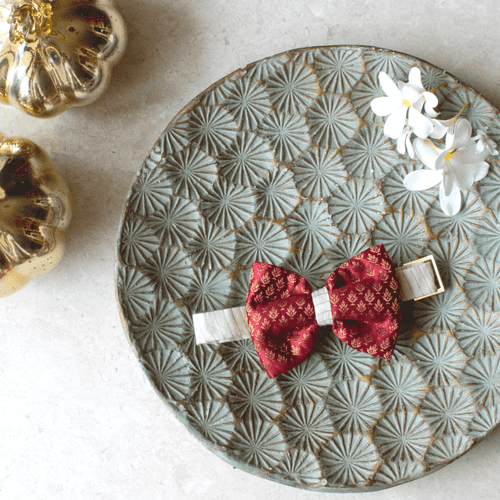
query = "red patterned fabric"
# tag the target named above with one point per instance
(365, 295)
(281, 318)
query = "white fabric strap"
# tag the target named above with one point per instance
(417, 280)
(322, 307)
(227, 325)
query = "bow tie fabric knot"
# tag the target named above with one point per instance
(365, 299)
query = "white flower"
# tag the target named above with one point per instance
(429, 99)
(403, 105)
(483, 141)
(456, 167)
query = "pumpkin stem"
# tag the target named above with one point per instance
(29, 20)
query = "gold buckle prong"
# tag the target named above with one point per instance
(436, 274)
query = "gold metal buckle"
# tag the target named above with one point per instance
(436, 275)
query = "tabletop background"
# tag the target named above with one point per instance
(78, 418)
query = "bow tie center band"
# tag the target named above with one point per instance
(361, 300)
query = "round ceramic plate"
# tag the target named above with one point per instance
(283, 161)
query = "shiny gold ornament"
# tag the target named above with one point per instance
(29, 20)
(56, 54)
(35, 210)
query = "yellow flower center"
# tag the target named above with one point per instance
(407, 103)
(29, 20)
(449, 154)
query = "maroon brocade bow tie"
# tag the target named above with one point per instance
(365, 299)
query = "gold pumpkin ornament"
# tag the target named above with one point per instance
(57, 53)
(35, 210)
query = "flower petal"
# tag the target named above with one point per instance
(450, 204)
(419, 104)
(461, 133)
(396, 122)
(431, 101)
(462, 174)
(415, 78)
(481, 141)
(401, 144)
(422, 179)
(479, 170)
(483, 155)
(440, 160)
(427, 153)
(439, 129)
(448, 179)
(383, 106)
(409, 147)
(468, 155)
(420, 124)
(430, 113)
(389, 87)
(411, 93)
(491, 145)
(448, 140)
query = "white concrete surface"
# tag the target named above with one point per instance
(78, 419)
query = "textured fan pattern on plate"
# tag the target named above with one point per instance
(284, 161)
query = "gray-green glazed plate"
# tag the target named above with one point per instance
(284, 161)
